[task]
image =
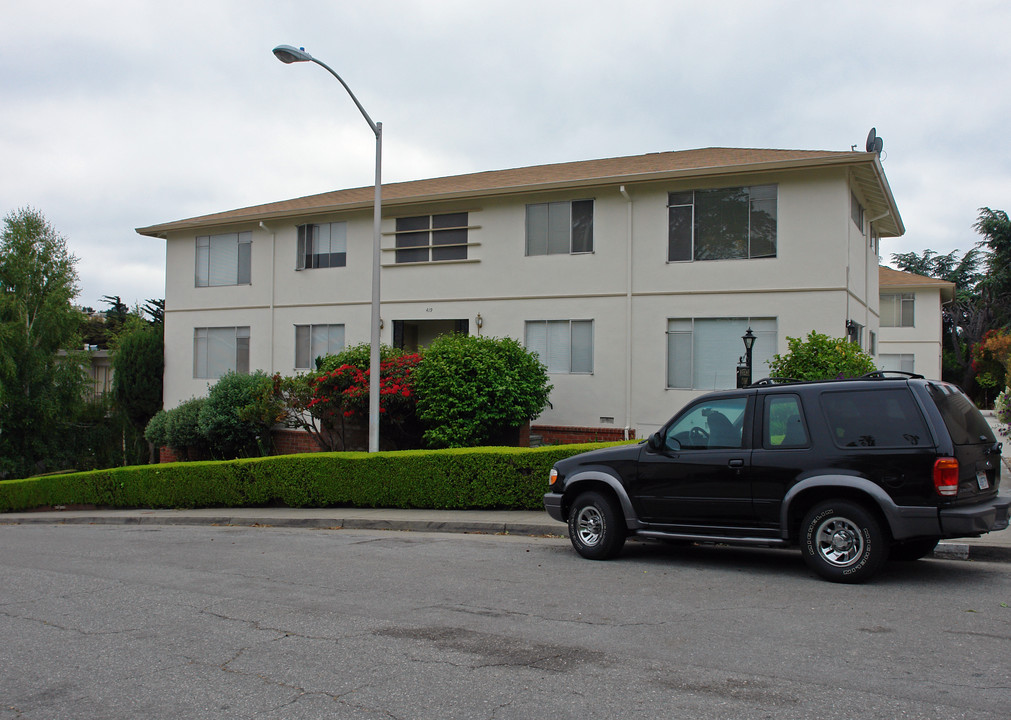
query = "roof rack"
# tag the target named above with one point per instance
(881, 375)
(774, 381)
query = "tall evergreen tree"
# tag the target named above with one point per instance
(40, 390)
(138, 364)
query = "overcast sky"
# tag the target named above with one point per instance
(118, 114)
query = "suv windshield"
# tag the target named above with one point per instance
(965, 423)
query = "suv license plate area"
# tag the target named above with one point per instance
(981, 480)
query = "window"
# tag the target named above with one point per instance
(565, 346)
(322, 246)
(903, 362)
(560, 228)
(875, 418)
(897, 309)
(702, 353)
(218, 350)
(223, 259)
(856, 212)
(784, 422)
(872, 343)
(432, 238)
(313, 341)
(722, 224)
(709, 425)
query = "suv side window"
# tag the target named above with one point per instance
(875, 418)
(784, 423)
(964, 422)
(717, 423)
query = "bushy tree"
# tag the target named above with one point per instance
(40, 390)
(230, 429)
(820, 357)
(471, 389)
(995, 227)
(182, 429)
(982, 295)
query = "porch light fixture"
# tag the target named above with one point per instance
(744, 368)
(289, 54)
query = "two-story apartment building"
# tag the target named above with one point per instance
(634, 278)
(910, 320)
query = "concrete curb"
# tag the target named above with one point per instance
(954, 550)
(946, 550)
(319, 523)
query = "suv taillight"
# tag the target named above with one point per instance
(946, 476)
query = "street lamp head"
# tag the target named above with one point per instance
(749, 339)
(289, 54)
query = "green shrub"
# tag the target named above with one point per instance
(821, 357)
(471, 389)
(477, 478)
(182, 427)
(156, 431)
(230, 431)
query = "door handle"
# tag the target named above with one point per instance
(736, 463)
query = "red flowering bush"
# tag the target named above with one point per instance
(342, 394)
(991, 358)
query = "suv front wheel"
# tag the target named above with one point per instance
(842, 541)
(596, 528)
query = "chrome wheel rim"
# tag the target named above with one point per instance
(589, 525)
(840, 542)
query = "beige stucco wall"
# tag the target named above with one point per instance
(823, 275)
(923, 340)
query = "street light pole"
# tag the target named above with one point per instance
(290, 54)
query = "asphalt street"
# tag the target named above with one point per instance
(198, 621)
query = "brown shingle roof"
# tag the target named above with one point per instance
(587, 173)
(890, 279)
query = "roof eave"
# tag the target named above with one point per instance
(886, 228)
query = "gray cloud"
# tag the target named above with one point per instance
(119, 114)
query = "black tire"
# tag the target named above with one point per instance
(596, 526)
(909, 550)
(843, 541)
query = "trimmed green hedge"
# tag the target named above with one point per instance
(459, 479)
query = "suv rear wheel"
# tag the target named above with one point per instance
(596, 527)
(842, 541)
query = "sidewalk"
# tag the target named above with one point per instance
(992, 546)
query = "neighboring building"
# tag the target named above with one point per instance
(910, 337)
(633, 277)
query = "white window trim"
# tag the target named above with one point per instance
(239, 361)
(568, 204)
(204, 262)
(302, 241)
(309, 330)
(692, 205)
(546, 360)
(753, 322)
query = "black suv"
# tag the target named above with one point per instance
(852, 471)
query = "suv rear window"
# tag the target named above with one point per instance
(875, 418)
(965, 423)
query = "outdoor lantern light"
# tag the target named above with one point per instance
(744, 375)
(749, 341)
(289, 54)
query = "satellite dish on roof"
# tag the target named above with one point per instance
(874, 143)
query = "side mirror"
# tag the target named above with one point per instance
(656, 443)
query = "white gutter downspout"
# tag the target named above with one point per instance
(273, 263)
(877, 261)
(628, 314)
